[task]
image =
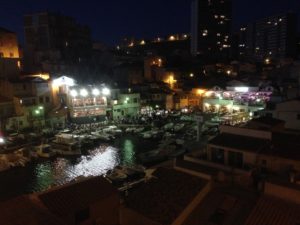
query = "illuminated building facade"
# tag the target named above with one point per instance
(9, 54)
(235, 100)
(210, 28)
(127, 106)
(87, 104)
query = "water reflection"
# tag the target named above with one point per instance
(97, 163)
(42, 174)
(62, 171)
(128, 153)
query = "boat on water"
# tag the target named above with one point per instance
(66, 144)
(45, 151)
(179, 127)
(102, 136)
(122, 174)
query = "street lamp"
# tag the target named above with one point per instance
(74, 93)
(96, 92)
(84, 92)
(105, 91)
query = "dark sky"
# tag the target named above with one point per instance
(111, 20)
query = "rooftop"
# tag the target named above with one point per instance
(159, 199)
(77, 196)
(239, 142)
(283, 145)
(269, 210)
(22, 210)
(268, 121)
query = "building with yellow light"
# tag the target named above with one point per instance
(9, 54)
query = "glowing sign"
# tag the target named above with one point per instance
(241, 89)
(64, 81)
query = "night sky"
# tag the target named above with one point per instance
(111, 20)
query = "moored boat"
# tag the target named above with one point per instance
(45, 151)
(66, 144)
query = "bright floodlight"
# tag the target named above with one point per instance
(96, 92)
(106, 91)
(74, 93)
(2, 140)
(84, 92)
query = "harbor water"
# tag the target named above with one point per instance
(41, 174)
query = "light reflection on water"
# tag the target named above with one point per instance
(128, 153)
(62, 170)
(41, 174)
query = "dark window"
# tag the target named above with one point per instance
(235, 159)
(270, 115)
(218, 155)
(135, 100)
(82, 215)
(298, 117)
(47, 99)
(41, 100)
